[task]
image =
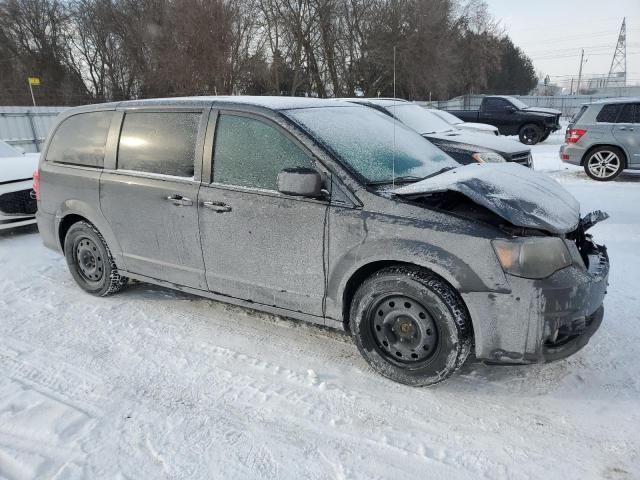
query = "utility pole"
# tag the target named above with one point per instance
(580, 73)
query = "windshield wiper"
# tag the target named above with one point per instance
(438, 172)
(401, 179)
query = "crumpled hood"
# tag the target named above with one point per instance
(552, 111)
(18, 168)
(518, 194)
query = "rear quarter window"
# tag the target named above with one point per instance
(608, 113)
(81, 140)
(159, 142)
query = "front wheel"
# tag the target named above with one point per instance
(545, 135)
(604, 163)
(530, 134)
(90, 261)
(410, 326)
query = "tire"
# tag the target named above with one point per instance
(410, 326)
(545, 135)
(530, 134)
(604, 163)
(90, 261)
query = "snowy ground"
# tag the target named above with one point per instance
(157, 384)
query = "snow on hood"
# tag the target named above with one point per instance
(477, 139)
(18, 168)
(552, 111)
(516, 193)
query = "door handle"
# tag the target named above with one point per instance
(626, 128)
(180, 201)
(219, 207)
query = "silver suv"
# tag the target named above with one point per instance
(328, 212)
(604, 138)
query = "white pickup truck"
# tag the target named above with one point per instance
(17, 202)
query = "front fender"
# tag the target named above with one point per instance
(451, 267)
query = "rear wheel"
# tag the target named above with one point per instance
(410, 326)
(604, 163)
(530, 134)
(90, 261)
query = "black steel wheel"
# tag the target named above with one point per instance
(404, 330)
(90, 261)
(410, 325)
(530, 134)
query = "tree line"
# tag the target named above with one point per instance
(101, 50)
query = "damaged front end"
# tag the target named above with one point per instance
(557, 275)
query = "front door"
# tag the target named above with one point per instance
(151, 198)
(257, 243)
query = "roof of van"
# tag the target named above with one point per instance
(616, 100)
(273, 103)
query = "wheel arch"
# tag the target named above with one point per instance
(588, 152)
(368, 269)
(73, 211)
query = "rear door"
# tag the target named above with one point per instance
(258, 244)
(150, 196)
(627, 131)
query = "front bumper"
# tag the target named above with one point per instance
(17, 205)
(541, 320)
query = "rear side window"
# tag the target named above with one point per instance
(630, 113)
(609, 113)
(81, 140)
(159, 142)
(251, 153)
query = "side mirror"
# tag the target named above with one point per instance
(300, 181)
(511, 109)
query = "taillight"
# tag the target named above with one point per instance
(573, 135)
(36, 183)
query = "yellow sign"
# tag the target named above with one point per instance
(34, 81)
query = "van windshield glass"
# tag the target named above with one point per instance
(363, 140)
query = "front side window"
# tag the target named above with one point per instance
(372, 144)
(608, 113)
(159, 142)
(630, 113)
(495, 104)
(81, 140)
(250, 153)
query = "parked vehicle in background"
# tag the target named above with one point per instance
(513, 117)
(465, 147)
(470, 126)
(328, 212)
(604, 138)
(17, 203)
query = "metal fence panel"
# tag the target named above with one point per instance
(27, 127)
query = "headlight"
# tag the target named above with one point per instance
(488, 157)
(536, 257)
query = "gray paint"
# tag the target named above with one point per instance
(273, 251)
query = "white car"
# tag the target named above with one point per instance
(470, 126)
(17, 201)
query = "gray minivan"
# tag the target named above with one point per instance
(325, 211)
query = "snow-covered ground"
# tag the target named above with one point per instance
(152, 383)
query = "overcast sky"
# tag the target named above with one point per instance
(553, 32)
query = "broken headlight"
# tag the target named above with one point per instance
(536, 257)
